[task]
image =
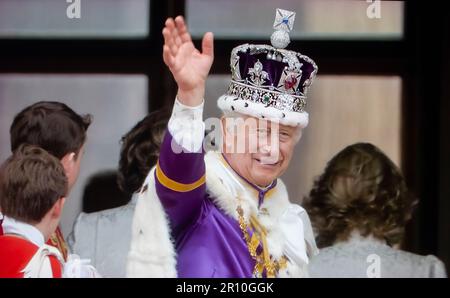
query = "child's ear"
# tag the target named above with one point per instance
(58, 207)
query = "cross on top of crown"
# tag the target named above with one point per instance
(284, 20)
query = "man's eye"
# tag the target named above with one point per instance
(284, 136)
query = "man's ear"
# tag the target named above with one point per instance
(57, 208)
(298, 134)
(68, 161)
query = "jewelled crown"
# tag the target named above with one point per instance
(270, 81)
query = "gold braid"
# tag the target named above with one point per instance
(264, 262)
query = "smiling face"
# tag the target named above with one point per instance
(259, 150)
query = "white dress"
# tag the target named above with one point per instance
(361, 257)
(104, 237)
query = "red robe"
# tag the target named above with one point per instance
(16, 253)
(55, 240)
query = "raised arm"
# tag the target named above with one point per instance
(188, 66)
(180, 173)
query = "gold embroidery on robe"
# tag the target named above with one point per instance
(57, 240)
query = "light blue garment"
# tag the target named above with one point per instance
(361, 257)
(104, 237)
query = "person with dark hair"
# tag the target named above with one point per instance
(33, 191)
(359, 208)
(104, 237)
(140, 150)
(56, 128)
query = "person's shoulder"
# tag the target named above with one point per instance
(89, 227)
(56, 266)
(113, 214)
(14, 255)
(434, 266)
(16, 244)
(14, 249)
(352, 257)
(403, 263)
(420, 266)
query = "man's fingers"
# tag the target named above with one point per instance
(169, 41)
(167, 57)
(177, 39)
(179, 21)
(208, 44)
(171, 30)
(182, 29)
(167, 36)
(170, 23)
(172, 36)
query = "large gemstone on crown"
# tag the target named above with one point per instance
(290, 82)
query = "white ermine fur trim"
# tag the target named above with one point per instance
(152, 252)
(229, 103)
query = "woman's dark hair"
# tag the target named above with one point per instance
(140, 150)
(52, 126)
(361, 189)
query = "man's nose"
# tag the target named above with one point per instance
(265, 149)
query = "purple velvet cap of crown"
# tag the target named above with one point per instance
(295, 85)
(271, 83)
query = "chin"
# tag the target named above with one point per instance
(265, 180)
(265, 174)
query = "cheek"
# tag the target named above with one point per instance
(247, 160)
(286, 151)
(242, 162)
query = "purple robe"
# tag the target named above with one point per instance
(209, 243)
